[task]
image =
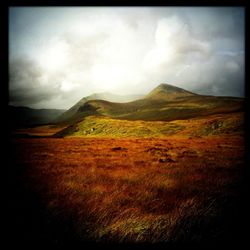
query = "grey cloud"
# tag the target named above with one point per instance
(221, 75)
(25, 85)
(207, 57)
(210, 23)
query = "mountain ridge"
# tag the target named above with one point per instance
(26, 116)
(164, 103)
(96, 96)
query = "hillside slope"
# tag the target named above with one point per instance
(96, 126)
(25, 116)
(164, 103)
(73, 111)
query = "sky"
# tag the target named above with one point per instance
(57, 55)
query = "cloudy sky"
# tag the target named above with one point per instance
(57, 55)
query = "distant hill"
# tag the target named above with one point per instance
(73, 113)
(25, 116)
(164, 103)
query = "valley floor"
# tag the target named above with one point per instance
(127, 189)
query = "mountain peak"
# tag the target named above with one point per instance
(168, 91)
(165, 85)
(168, 87)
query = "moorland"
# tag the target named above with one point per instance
(168, 167)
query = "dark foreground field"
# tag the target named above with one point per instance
(75, 190)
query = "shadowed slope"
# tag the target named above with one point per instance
(164, 103)
(72, 113)
(25, 116)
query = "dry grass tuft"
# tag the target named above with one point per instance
(135, 190)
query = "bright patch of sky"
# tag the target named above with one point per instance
(60, 54)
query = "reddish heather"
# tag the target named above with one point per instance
(139, 190)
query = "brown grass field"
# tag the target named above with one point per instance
(153, 190)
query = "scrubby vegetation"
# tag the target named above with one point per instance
(96, 126)
(166, 168)
(136, 190)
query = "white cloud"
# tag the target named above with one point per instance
(174, 45)
(54, 56)
(73, 52)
